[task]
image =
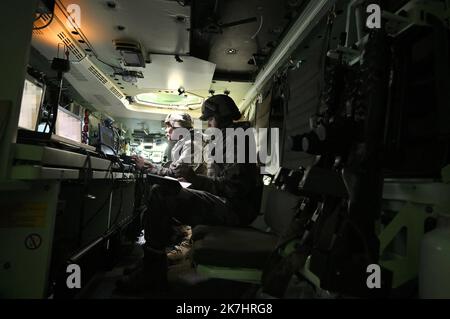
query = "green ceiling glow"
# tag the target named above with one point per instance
(169, 99)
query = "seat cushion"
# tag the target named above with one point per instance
(232, 246)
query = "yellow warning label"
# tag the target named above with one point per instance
(23, 215)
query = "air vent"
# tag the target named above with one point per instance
(38, 32)
(116, 92)
(78, 75)
(45, 20)
(97, 74)
(101, 99)
(46, 17)
(70, 45)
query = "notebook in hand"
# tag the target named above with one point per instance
(169, 183)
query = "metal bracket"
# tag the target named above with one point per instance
(351, 56)
(413, 13)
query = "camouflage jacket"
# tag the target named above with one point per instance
(239, 183)
(188, 150)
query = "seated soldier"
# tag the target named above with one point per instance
(229, 195)
(187, 149)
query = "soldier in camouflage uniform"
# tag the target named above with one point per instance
(188, 149)
(229, 195)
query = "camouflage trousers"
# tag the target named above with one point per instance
(189, 207)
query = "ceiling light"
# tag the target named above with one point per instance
(173, 100)
(231, 51)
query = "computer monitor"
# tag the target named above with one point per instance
(68, 125)
(32, 99)
(106, 140)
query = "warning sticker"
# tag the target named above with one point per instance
(33, 241)
(15, 215)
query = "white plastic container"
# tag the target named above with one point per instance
(434, 271)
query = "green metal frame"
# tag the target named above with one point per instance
(250, 275)
(253, 275)
(404, 267)
(414, 201)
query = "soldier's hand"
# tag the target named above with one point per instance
(141, 162)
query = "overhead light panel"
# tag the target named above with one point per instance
(169, 100)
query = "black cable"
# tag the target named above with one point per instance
(325, 49)
(110, 147)
(54, 107)
(256, 114)
(86, 176)
(120, 209)
(115, 159)
(47, 124)
(115, 68)
(103, 204)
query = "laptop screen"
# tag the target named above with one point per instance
(68, 125)
(106, 140)
(32, 97)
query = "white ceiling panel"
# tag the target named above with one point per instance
(164, 72)
(160, 26)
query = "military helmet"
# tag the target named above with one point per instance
(183, 120)
(221, 106)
